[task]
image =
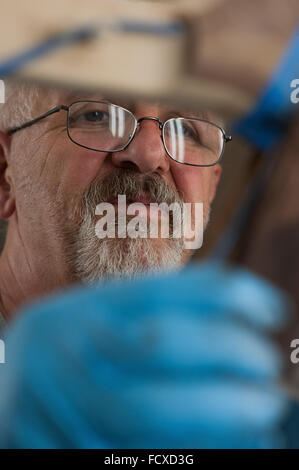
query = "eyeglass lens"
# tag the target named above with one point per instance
(107, 127)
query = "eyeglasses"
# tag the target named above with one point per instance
(106, 127)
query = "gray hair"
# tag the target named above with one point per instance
(20, 98)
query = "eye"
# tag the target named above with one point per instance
(89, 116)
(93, 116)
(189, 131)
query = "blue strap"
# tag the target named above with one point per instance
(266, 123)
(172, 28)
(45, 47)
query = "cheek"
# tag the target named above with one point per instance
(192, 182)
(73, 168)
(82, 166)
(52, 171)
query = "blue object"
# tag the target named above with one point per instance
(265, 125)
(67, 38)
(177, 361)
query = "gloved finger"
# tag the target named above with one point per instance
(205, 290)
(213, 414)
(198, 415)
(175, 345)
(170, 344)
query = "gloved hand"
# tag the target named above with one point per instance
(177, 361)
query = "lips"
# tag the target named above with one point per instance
(122, 202)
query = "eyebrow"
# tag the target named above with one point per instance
(83, 95)
(80, 95)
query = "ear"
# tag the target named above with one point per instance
(7, 200)
(217, 170)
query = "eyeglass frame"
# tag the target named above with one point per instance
(226, 138)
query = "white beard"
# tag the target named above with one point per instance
(92, 259)
(96, 259)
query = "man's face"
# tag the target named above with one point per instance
(58, 184)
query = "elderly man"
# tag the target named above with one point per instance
(64, 153)
(167, 362)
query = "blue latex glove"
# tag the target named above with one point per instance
(177, 361)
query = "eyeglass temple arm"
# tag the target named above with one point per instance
(30, 123)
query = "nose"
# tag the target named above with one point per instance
(146, 152)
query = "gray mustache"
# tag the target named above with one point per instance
(133, 185)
